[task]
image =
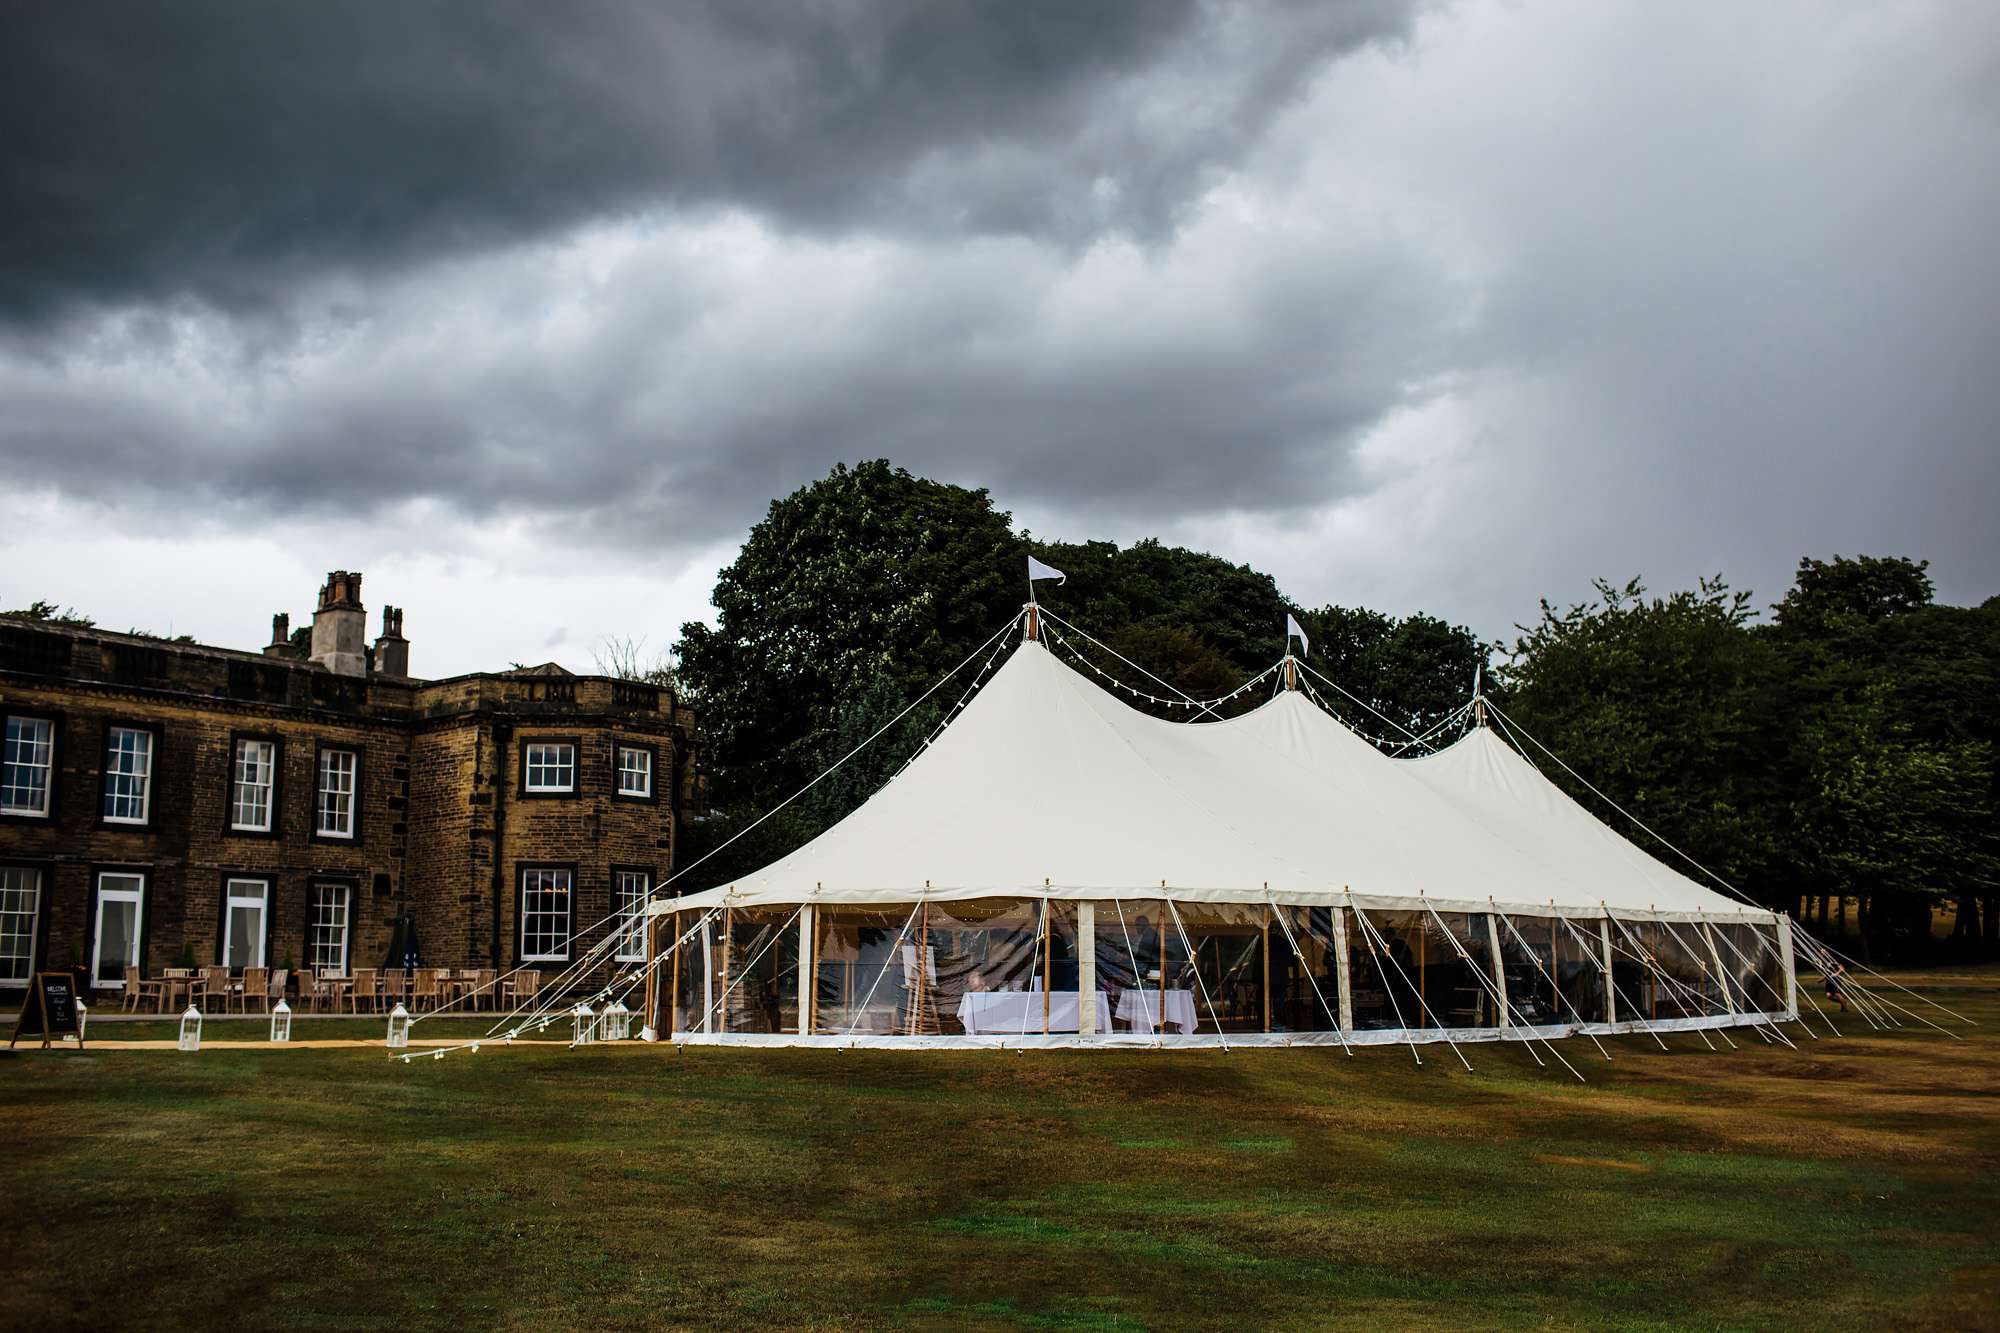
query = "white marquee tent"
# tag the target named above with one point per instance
(1058, 868)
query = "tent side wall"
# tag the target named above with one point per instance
(1046, 970)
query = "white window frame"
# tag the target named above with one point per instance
(318, 922)
(238, 785)
(133, 892)
(30, 882)
(559, 879)
(643, 792)
(47, 765)
(629, 891)
(321, 792)
(547, 765)
(231, 900)
(141, 777)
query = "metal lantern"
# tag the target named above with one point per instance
(281, 1022)
(615, 1021)
(82, 1020)
(586, 1024)
(191, 1029)
(399, 1028)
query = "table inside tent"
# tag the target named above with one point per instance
(999, 1012)
(1140, 1009)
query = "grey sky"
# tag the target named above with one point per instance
(528, 312)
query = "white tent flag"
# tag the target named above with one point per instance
(1038, 570)
(1292, 629)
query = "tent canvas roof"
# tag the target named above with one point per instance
(1047, 783)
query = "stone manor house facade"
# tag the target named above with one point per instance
(164, 802)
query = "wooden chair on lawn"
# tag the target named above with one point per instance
(520, 988)
(275, 992)
(215, 989)
(425, 995)
(255, 985)
(321, 985)
(396, 988)
(364, 990)
(138, 990)
(485, 988)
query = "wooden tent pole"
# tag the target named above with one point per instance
(674, 987)
(1267, 966)
(728, 947)
(652, 936)
(1048, 942)
(1423, 986)
(923, 950)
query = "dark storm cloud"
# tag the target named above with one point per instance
(228, 149)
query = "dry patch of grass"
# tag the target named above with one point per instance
(1837, 1186)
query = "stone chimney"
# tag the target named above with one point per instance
(340, 626)
(281, 636)
(392, 650)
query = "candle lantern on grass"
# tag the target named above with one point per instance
(191, 1029)
(586, 1024)
(615, 1023)
(281, 1022)
(399, 1028)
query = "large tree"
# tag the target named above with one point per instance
(867, 574)
(1668, 705)
(1409, 674)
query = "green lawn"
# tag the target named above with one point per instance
(1845, 1185)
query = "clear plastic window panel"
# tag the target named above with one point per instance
(1305, 971)
(1666, 971)
(980, 967)
(326, 943)
(1409, 969)
(29, 753)
(1143, 968)
(1225, 963)
(250, 800)
(20, 909)
(336, 793)
(545, 908)
(128, 774)
(1750, 961)
(756, 987)
(1579, 952)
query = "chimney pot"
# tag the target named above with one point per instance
(340, 626)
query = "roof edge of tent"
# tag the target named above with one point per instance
(728, 897)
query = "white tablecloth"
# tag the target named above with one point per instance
(1141, 1009)
(1004, 1011)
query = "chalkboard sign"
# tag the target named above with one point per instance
(49, 1011)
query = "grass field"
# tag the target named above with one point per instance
(1848, 1184)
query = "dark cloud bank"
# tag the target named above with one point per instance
(1607, 290)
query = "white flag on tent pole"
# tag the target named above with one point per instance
(1292, 629)
(1038, 570)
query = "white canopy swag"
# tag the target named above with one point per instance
(1057, 868)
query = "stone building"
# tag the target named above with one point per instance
(166, 802)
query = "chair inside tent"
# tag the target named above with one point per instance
(1057, 868)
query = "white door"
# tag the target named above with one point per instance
(243, 923)
(121, 905)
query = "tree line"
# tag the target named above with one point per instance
(1838, 751)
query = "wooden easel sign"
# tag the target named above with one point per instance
(49, 1010)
